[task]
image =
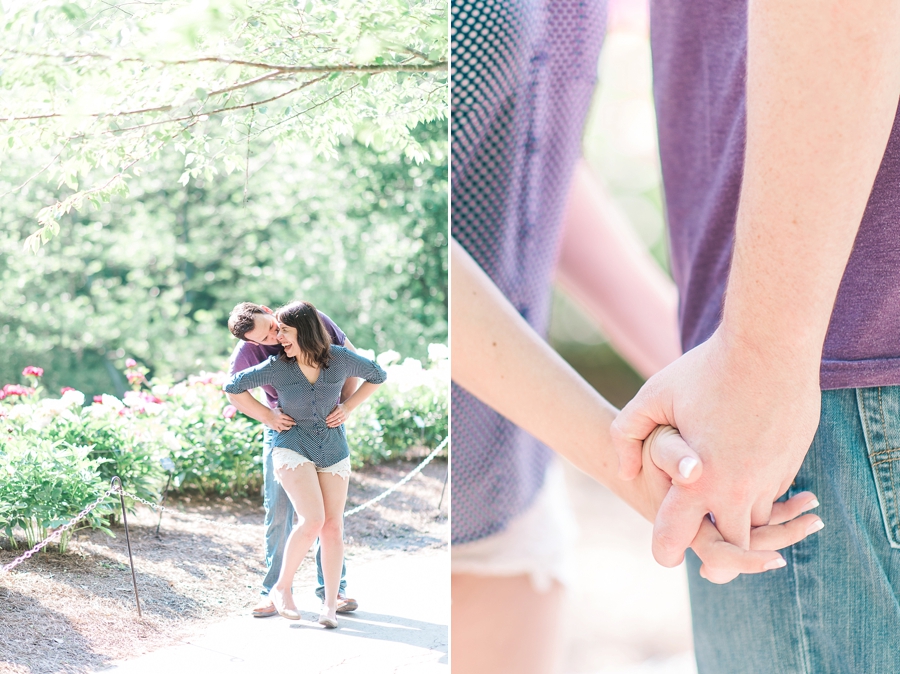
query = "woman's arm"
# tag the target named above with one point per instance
(357, 366)
(606, 269)
(363, 392)
(246, 403)
(502, 361)
(352, 383)
(238, 388)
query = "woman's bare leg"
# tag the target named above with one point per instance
(302, 487)
(502, 625)
(334, 495)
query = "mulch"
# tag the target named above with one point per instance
(75, 612)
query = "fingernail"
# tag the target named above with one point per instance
(814, 527)
(775, 564)
(686, 466)
(812, 504)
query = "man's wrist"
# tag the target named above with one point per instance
(753, 351)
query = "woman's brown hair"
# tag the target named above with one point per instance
(312, 337)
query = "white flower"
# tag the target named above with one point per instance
(112, 402)
(73, 398)
(438, 352)
(366, 353)
(407, 375)
(388, 358)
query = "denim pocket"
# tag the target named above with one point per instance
(879, 409)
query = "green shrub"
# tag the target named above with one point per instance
(44, 483)
(212, 449)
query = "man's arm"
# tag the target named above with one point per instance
(823, 83)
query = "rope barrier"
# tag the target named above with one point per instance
(116, 488)
(415, 471)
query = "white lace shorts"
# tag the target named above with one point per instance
(539, 542)
(288, 458)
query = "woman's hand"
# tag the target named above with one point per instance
(663, 455)
(337, 416)
(277, 420)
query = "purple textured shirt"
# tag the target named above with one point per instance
(523, 76)
(699, 73)
(249, 354)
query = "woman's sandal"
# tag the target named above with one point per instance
(278, 602)
(330, 623)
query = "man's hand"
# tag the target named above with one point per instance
(278, 420)
(337, 416)
(750, 421)
(663, 464)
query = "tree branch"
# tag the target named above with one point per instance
(430, 66)
(220, 110)
(278, 70)
(49, 164)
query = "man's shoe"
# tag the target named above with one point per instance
(264, 609)
(346, 604)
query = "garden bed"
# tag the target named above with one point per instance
(75, 612)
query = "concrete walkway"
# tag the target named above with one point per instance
(401, 626)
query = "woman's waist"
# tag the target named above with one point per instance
(316, 427)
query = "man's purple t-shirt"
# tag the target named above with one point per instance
(699, 73)
(248, 354)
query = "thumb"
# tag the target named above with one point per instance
(635, 422)
(670, 453)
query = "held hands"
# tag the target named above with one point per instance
(751, 420)
(662, 453)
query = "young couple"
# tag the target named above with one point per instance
(308, 371)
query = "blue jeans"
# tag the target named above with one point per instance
(835, 607)
(279, 522)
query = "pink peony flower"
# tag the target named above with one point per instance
(130, 362)
(17, 390)
(134, 377)
(63, 390)
(32, 371)
(229, 411)
(2, 395)
(149, 397)
(98, 400)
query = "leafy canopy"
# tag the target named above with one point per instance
(93, 89)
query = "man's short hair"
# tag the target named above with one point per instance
(241, 320)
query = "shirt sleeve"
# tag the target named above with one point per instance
(258, 375)
(240, 359)
(337, 335)
(357, 366)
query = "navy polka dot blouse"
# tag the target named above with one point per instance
(523, 75)
(309, 404)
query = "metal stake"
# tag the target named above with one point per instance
(112, 485)
(444, 488)
(165, 493)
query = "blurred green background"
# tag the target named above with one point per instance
(153, 275)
